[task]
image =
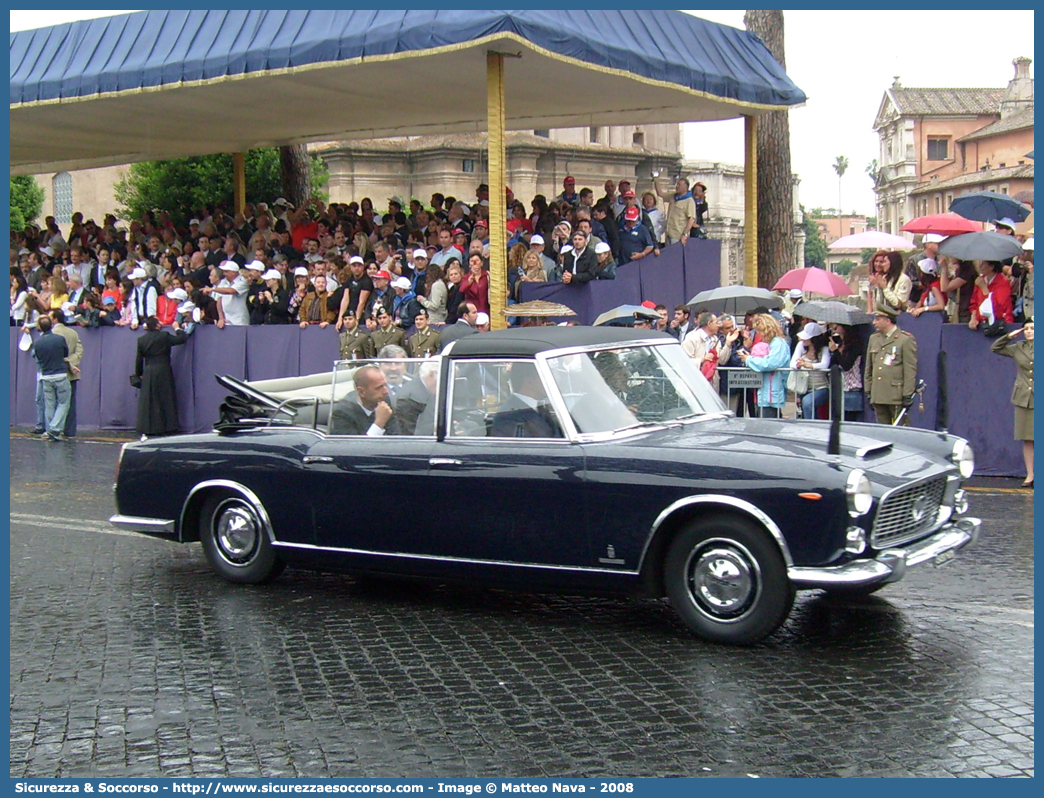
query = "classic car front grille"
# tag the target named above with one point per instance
(907, 512)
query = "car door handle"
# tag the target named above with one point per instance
(444, 462)
(316, 458)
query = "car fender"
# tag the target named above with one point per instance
(188, 525)
(651, 564)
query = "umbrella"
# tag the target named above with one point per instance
(735, 299)
(871, 239)
(813, 281)
(538, 307)
(1030, 155)
(980, 246)
(985, 206)
(836, 312)
(1025, 196)
(943, 224)
(624, 314)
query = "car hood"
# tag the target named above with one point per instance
(867, 446)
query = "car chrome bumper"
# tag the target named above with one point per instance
(147, 526)
(891, 564)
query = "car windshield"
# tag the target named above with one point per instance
(625, 387)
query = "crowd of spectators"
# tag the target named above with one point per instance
(323, 264)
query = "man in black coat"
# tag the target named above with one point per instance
(368, 411)
(462, 327)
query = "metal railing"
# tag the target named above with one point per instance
(738, 381)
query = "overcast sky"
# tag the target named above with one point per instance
(844, 61)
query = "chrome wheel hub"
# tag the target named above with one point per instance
(723, 579)
(237, 533)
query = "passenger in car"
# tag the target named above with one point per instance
(367, 411)
(527, 412)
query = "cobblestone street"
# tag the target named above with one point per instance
(129, 657)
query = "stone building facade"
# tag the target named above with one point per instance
(937, 144)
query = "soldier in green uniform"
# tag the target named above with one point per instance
(355, 343)
(890, 370)
(425, 342)
(386, 332)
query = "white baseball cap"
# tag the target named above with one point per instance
(481, 318)
(810, 330)
(420, 253)
(601, 247)
(795, 293)
(177, 294)
(928, 265)
(355, 259)
(402, 282)
(300, 271)
(536, 239)
(1028, 244)
(933, 238)
(138, 274)
(229, 266)
(272, 274)
(256, 266)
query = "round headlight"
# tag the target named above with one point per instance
(857, 490)
(963, 457)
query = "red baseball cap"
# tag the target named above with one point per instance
(569, 179)
(382, 275)
(649, 304)
(627, 193)
(632, 214)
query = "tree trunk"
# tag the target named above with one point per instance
(775, 181)
(295, 166)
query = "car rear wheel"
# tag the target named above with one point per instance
(235, 540)
(727, 581)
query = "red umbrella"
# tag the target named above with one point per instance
(813, 281)
(943, 224)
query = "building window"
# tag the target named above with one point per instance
(937, 149)
(62, 196)
(851, 231)
(638, 139)
(938, 204)
(543, 132)
(468, 165)
(594, 134)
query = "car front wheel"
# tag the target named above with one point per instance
(727, 581)
(236, 541)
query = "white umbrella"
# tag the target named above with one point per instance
(871, 239)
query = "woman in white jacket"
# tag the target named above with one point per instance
(812, 354)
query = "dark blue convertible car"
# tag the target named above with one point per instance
(553, 458)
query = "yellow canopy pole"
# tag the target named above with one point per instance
(498, 284)
(239, 180)
(750, 199)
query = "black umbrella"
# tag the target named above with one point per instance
(735, 299)
(985, 206)
(832, 312)
(980, 246)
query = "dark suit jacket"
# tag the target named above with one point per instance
(516, 419)
(348, 418)
(451, 332)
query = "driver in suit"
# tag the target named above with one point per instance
(526, 413)
(367, 411)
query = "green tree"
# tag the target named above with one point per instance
(26, 201)
(844, 267)
(184, 184)
(866, 254)
(815, 244)
(840, 166)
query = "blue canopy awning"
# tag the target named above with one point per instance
(168, 83)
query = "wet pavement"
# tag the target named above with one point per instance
(130, 658)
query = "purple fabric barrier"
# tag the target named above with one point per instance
(927, 330)
(663, 278)
(702, 266)
(118, 401)
(214, 352)
(88, 392)
(23, 383)
(181, 363)
(317, 349)
(271, 353)
(980, 401)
